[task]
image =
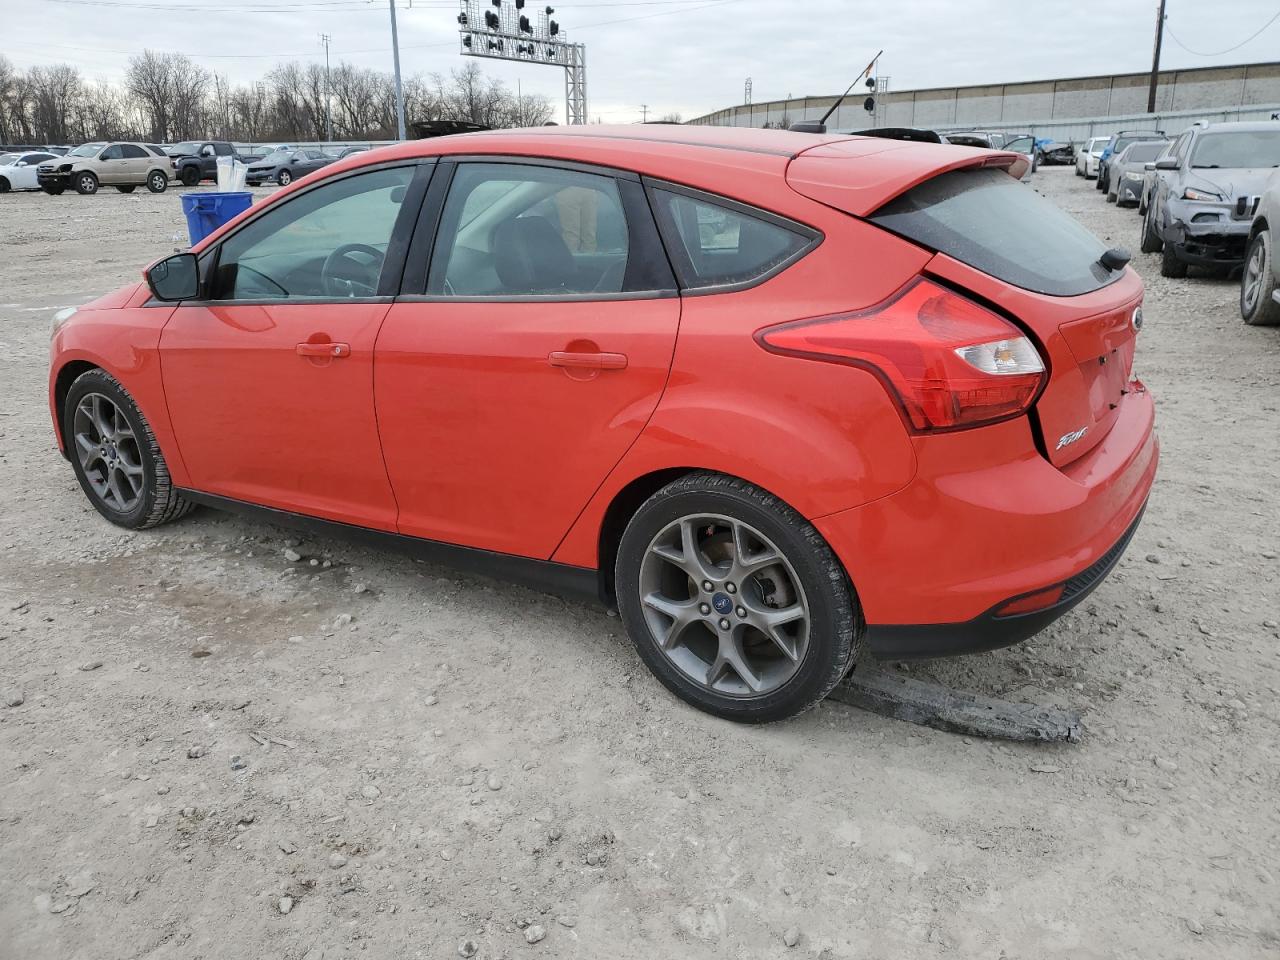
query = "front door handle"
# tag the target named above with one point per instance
(325, 350)
(587, 361)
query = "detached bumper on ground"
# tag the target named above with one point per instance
(995, 552)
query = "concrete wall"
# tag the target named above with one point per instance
(1212, 89)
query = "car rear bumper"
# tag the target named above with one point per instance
(988, 520)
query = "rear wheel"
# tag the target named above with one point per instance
(734, 600)
(1151, 242)
(157, 181)
(127, 188)
(1258, 283)
(1171, 265)
(115, 455)
(190, 176)
(86, 182)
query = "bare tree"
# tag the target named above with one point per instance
(166, 97)
(53, 91)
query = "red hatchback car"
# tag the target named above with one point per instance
(774, 395)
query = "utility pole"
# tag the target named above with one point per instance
(328, 119)
(644, 113)
(395, 51)
(1155, 61)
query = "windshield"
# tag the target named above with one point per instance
(183, 148)
(997, 225)
(1142, 152)
(86, 150)
(1097, 146)
(1238, 149)
(8, 159)
(279, 153)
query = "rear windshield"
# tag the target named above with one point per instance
(1004, 228)
(1237, 150)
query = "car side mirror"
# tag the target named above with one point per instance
(294, 160)
(175, 278)
(1167, 164)
(1148, 165)
(21, 163)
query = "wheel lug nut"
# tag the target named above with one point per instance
(724, 623)
(708, 586)
(731, 588)
(742, 611)
(704, 609)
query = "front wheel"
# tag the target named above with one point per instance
(115, 455)
(1170, 264)
(4, 185)
(1151, 242)
(190, 176)
(86, 183)
(284, 178)
(157, 182)
(735, 601)
(1258, 283)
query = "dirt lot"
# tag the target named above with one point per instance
(212, 751)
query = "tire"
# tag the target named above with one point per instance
(1100, 183)
(155, 500)
(1151, 242)
(86, 183)
(1257, 306)
(4, 185)
(189, 176)
(1111, 197)
(808, 654)
(1170, 265)
(53, 190)
(129, 188)
(284, 178)
(157, 181)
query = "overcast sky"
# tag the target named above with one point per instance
(686, 56)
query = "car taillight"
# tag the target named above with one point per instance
(950, 362)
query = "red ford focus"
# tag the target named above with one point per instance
(774, 395)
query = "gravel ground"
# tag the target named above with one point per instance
(210, 750)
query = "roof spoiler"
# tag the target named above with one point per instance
(899, 133)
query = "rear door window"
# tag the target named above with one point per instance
(719, 243)
(1002, 227)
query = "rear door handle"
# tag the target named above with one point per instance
(587, 361)
(324, 350)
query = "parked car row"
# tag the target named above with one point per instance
(1209, 197)
(127, 165)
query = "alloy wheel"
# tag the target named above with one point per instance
(108, 452)
(724, 605)
(1252, 283)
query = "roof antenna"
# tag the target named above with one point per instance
(809, 126)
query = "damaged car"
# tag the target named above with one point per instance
(1201, 206)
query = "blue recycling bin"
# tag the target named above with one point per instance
(206, 212)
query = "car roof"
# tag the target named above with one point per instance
(1242, 126)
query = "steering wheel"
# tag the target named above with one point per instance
(344, 276)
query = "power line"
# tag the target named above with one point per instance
(1218, 53)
